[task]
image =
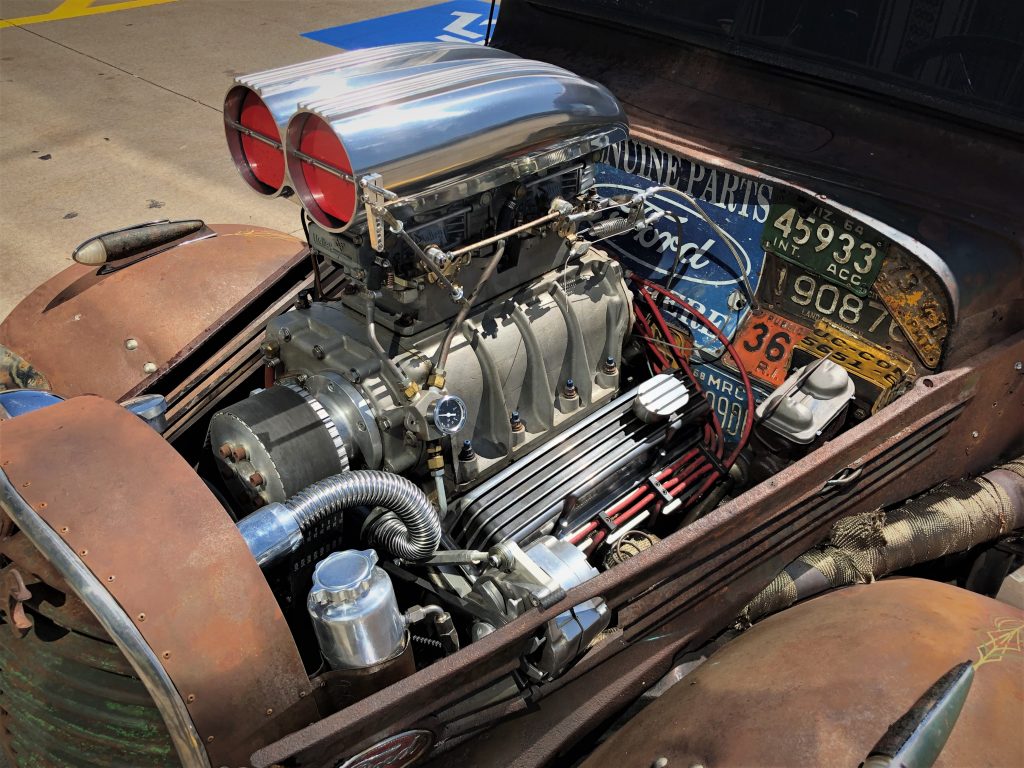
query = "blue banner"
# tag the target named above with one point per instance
(707, 273)
(462, 21)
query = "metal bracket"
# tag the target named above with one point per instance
(670, 502)
(374, 199)
(460, 557)
(842, 478)
(17, 594)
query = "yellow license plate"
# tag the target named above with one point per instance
(886, 371)
(917, 301)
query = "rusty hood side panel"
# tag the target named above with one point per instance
(89, 334)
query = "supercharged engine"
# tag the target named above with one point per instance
(463, 394)
(445, 335)
(479, 407)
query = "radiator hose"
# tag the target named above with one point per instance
(951, 518)
(410, 528)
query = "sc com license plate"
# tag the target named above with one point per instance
(825, 242)
(879, 375)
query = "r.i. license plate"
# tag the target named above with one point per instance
(764, 345)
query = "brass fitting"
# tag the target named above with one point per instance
(435, 456)
(411, 389)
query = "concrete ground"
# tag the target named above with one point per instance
(115, 118)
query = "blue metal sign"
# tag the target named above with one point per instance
(463, 21)
(708, 272)
(728, 398)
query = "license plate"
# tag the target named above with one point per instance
(825, 242)
(724, 391)
(792, 291)
(885, 371)
(764, 346)
(916, 300)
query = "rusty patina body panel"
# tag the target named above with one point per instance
(819, 683)
(152, 533)
(75, 328)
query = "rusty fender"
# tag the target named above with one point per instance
(115, 335)
(875, 649)
(136, 533)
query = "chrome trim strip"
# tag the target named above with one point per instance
(114, 620)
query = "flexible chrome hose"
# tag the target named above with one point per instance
(410, 529)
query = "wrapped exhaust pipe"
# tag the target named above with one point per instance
(950, 518)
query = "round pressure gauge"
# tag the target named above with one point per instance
(448, 414)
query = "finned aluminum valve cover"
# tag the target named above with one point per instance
(574, 476)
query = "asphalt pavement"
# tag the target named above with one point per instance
(110, 115)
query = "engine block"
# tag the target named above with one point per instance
(510, 365)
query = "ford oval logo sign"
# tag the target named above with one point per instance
(398, 751)
(697, 255)
(683, 245)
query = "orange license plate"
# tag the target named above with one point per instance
(765, 344)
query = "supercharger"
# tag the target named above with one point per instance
(524, 363)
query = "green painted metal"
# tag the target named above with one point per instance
(826, 242)
(69, 697)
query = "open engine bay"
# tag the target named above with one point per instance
(549, 347)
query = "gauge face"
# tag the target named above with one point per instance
(449, 414)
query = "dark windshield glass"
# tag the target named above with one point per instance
(961, 52)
